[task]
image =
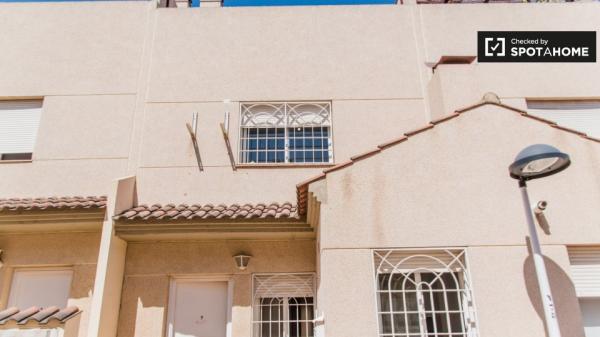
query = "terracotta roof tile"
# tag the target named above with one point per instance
(302, 188)
(51, 203)
(37, 315)
(209, 212)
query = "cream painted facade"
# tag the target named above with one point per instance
(119, 81)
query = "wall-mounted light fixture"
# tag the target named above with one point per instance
(241, 260)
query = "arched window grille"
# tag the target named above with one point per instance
(283, 305)
(291, 132)
(424, 294)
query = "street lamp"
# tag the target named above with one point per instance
(533, 162)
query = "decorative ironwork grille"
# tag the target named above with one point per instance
(423, 294)
(286, 133)
(283, 305)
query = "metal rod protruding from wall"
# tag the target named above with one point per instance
(540, 268)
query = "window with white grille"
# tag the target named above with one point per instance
(283, 305)
(19, 121)
(286, 133)
(581, 115)
(423, 294)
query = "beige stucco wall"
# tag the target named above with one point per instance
(150, 266)
(449, 187)
(121, 79)
(78, 251)
(120, 86)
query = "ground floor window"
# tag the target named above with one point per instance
(423, 294)
(283, 305)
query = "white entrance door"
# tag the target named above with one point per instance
(198, 309)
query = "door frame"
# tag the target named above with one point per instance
(173, 279)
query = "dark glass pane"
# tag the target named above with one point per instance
(383, 281)
(252, 144)
(262, 157)
(271, 157)
(252, 157)
(252, 132)
(325, 132)
(280, 132)
(308, 143)
(453, 298)
(326, 156)
(262, 144)
(271, 132)
(299, 156)
(271, 144)
(298, 143)
(318, 156)
(308, 157)
(281, 144)
(280, 156)
(456, 322)
(262, 133)
(318, 143)
(386, 323)
(384, 301)
(17, 156)
(317, 132)
(308, 132)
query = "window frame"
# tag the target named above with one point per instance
(285, 306)
(286, 138)
(15, 270)
(466, 301)
(28, 103)
(572, 113)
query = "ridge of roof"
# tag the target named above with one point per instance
(302, 188)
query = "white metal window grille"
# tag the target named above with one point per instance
(19, 122)
(423, 294)
(283, 305)
(581, 115)
(286, 133)
(585, 270)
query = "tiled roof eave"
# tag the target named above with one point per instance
(8, 205)
(273, 212)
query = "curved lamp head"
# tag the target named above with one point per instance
(538, 161)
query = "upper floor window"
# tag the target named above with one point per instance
(581, 115)
(283, 305)
(19, 121)
(423, 293)
(286, 133)
(42, 288)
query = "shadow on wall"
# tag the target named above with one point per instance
(143, 306)
(563, 291)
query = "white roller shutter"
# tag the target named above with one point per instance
(582, 115)
(585, 270)
(19, 121)
(284, 285)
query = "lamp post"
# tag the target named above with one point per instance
(533, 162)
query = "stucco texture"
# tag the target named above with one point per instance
(78, 251)
(449, 187)
(150, 267)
